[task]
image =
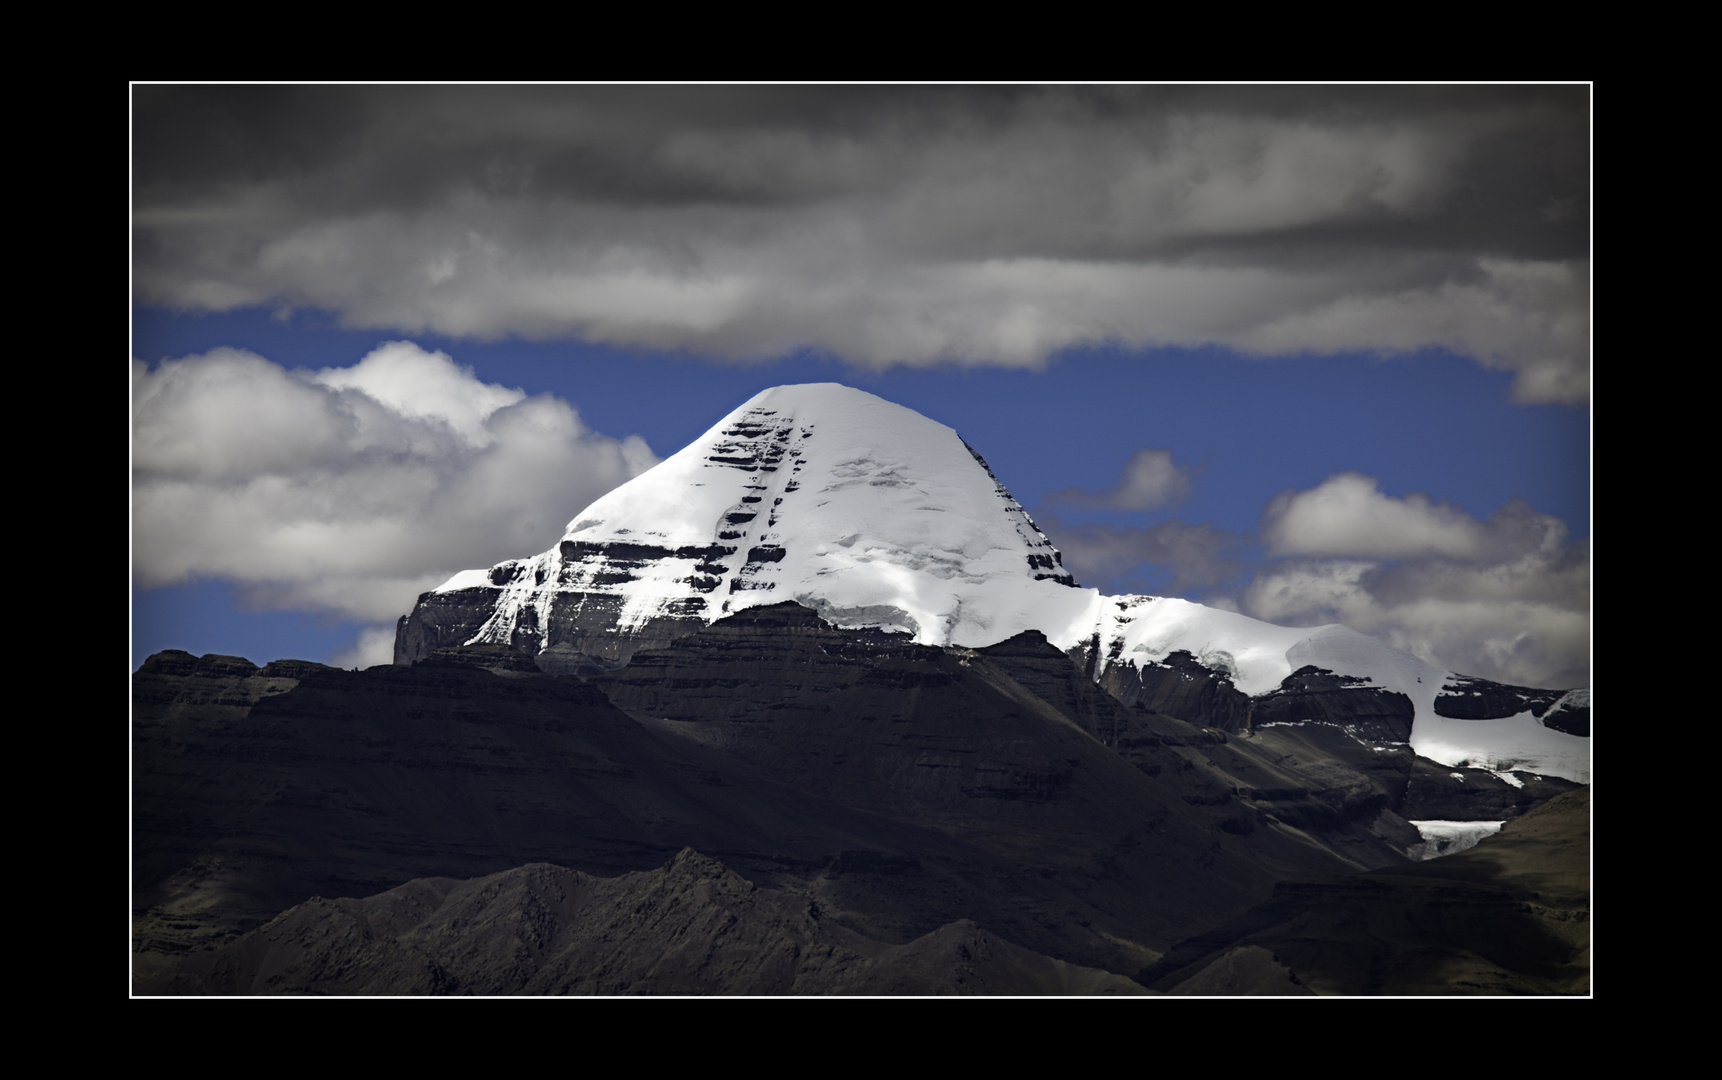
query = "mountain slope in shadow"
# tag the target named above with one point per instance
(1509, 916)
(689, 927)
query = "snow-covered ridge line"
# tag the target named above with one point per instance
(1258, 656)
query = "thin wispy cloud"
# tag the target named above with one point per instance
(1149, 480)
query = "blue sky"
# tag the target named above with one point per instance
(1442, 431)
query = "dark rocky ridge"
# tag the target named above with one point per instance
(903, 788)
(946, 738)
(1320, 753)
(1467, 698)
(912, 788)
(1183, 687)
(1376, 716)
(1509, 916)
(251, 793)
(1178, 686)
(690, 927)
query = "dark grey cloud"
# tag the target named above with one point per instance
(889, 224)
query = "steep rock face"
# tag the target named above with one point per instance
(442, 620)
(1219, 669)
(1311, 695)
(1570, 714)
(1465, 698)
(1179, 686)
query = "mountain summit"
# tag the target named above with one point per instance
(865, 511)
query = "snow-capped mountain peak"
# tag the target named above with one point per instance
(866, 511)
(878, 517)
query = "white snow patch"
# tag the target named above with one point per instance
(1516, 743)
(1450, 837)
(466, 579)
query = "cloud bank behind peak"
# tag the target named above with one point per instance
(889, 225)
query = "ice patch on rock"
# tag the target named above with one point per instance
(1450, 837)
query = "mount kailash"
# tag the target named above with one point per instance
(878, 518)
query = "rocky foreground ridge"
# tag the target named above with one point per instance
(689, 927)
(892, 789)
(1510, 916)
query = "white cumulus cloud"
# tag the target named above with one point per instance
(1348, 515)
(351, 490)
(1506, 598)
